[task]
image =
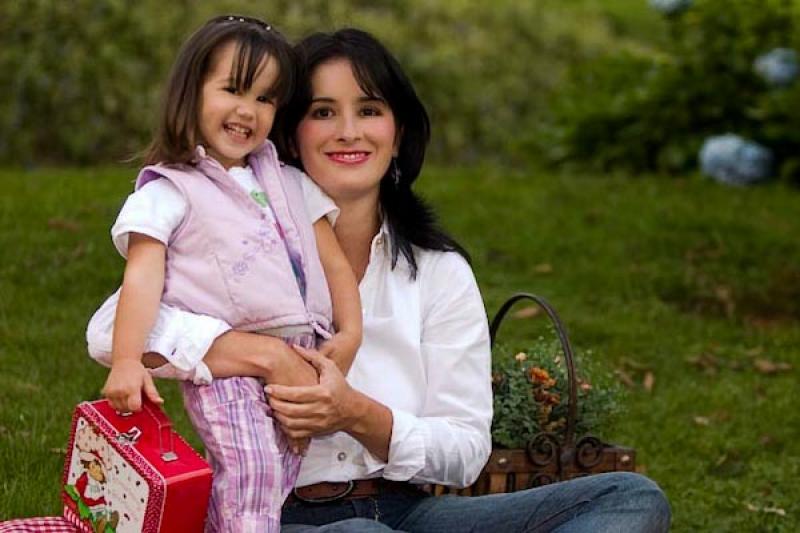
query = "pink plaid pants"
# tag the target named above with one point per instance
(254, 469)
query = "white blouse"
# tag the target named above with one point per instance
(425, 355)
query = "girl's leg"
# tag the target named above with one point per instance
(253, 466)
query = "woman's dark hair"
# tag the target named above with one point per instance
(409, 219)
(177, 131)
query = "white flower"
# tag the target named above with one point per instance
(671, 7)
(736, 161)
(778, 67)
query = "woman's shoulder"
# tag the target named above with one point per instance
(442, 266)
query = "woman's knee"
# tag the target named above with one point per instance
(646, 495)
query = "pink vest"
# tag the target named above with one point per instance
(227, 258)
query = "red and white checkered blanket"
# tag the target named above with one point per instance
(46, 524)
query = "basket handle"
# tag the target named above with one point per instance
(572, 406)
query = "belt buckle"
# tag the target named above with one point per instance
(347, 490)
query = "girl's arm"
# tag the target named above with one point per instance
(142, 286)
(344, 296)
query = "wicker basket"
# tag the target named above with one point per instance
(548, 457)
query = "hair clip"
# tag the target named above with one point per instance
(237, 18)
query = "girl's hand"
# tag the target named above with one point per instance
(123, 388)
(309, 411)
(341, 349)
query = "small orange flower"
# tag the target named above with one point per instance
(553, 398)
(539, 375)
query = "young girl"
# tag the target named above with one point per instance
(217, 226)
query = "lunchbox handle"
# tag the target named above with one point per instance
(163, 425)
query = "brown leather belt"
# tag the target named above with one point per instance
(347, 490)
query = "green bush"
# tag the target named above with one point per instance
(81, 79)
(650, 111)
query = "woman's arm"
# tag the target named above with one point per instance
(344, 296)
(180, 342)
(141, 291)
(449, 440)
(237, 353)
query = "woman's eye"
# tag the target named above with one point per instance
(370, 112)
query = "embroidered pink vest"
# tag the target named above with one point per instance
(227, 258)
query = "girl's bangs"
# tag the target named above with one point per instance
(252, 53)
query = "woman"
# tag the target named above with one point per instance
(416, 405)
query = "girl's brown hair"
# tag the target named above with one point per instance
(177, 131)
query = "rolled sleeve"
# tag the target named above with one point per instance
(407, 449)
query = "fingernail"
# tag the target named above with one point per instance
(268, 389)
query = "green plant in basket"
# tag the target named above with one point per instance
(531, 394)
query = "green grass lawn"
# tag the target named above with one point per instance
(696, 283)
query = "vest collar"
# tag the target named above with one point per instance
(266, 149)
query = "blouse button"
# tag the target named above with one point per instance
(342, 456)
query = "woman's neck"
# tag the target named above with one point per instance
(357, 225)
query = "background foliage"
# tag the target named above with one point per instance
(649, 110)
(81, 79)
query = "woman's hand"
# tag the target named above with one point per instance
(331, 406)
(308, 411)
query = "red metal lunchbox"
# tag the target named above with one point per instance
(132, 473)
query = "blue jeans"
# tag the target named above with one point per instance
(604, 503)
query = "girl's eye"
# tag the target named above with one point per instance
(230, 89)
(265, 99)
(321, 112)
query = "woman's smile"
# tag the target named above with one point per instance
(348, 158)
